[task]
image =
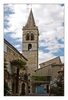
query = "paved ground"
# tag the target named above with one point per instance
(37, 95)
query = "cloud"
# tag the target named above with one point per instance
(62, 59)
(43, 57)
(17, 46)
(19, 40)
(48, 18)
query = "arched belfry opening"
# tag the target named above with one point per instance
(32, 36)
(27, 36)
(29, 47)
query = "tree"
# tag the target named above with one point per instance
(58, 90)
(6, 89)
(6, 74)
(20, 65)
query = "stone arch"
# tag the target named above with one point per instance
(29, 47)
(23, 89)
(27, 36)
(32, 36)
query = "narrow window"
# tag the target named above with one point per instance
(9, 67)
(5, 47)
(9, 84)
(32, 37)
(27, 37)
(30, 47)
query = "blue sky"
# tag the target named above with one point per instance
(50, 21)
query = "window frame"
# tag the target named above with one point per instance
(5, 47)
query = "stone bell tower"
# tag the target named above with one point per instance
(30, 43)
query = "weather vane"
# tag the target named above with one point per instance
(30, 5)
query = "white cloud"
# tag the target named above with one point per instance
(62, 59)
(5, 31)
(17, 46)
(19, 40)
(48, 18)
(45, 56)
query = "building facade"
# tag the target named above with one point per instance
(45, 75)
(38, 79)
(49, 62)
(30, 46)
(10, 54)
(30, 43)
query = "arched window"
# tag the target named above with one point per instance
(23, 89)
(29, 46)
(32, 36)
(27, 37)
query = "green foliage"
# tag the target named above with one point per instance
(6, 77)
(6, 88)
(18, 63)
(57, 90)
(41, 78)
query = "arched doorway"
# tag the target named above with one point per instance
(23, 89)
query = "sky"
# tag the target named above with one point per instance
(50, 21)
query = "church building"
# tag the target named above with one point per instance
(30, 45)
(38, 80)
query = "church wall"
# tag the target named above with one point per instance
(30, 46)
(9, 55)
(52, 61)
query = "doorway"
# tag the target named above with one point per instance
(23, 89)
(40, 89)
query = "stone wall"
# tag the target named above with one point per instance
(31, 55)
(10, 54)
(44, 71)
(52, 61)
(49, 70)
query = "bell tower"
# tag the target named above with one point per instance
(30, 43)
